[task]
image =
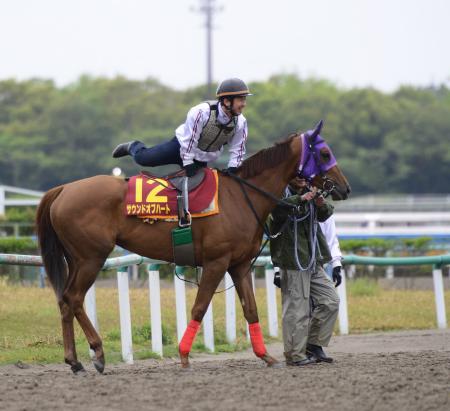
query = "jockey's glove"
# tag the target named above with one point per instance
(191, 169)
(337, 277)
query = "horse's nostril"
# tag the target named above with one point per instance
(349, 189)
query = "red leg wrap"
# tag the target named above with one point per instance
(188, 337)
(257, 339)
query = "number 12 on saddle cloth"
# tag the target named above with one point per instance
(156, 198)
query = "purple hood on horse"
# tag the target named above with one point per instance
(311, 162)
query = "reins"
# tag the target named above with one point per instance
(264, 226)
(328, 187)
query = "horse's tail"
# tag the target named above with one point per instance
(52, 250)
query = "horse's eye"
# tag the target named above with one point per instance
(325, 155)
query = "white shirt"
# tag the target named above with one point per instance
(329, 230)
(188, 135)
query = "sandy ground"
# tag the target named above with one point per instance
(390, 371)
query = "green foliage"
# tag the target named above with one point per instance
(113, 335)
(393, 142)
(13, 245)
(141, 335)
(379, 246)
(166, 336)
(417, 245)
(146, 354)
(352, 246)
(20, 214)
(199, 346)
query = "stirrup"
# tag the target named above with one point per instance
(186, 220)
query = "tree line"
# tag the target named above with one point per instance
(395, 142)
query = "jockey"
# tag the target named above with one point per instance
(208, 127)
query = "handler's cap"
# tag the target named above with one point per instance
(233, 87)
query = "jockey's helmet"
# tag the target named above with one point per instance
(232, 87)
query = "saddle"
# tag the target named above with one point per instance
(183, 185)
(177, 178)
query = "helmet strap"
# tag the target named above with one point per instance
(230, 107)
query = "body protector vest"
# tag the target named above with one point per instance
(215, 135)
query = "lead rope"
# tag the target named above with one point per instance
(312, 238)
(231, 286)
(254, 259)
(313, 228)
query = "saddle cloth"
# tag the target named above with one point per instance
(156, 197)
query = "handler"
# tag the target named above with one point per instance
(300, 251)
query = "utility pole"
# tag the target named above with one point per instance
(208, 8)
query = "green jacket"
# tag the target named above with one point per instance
(282, 247)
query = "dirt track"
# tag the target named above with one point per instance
(392, 371)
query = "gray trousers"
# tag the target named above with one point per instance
(299, 326)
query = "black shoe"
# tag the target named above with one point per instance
(123, 149)
(301, 363)
(312, 357)
(316, 352)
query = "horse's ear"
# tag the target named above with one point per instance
(316, 130)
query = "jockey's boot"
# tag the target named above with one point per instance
(123, 149)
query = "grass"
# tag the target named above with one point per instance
(30, 326)
(363, 287)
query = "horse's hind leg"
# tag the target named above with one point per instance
(70, 353)
(84, 276)
(67, 316)
(243, 282)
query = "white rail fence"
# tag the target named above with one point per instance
(230, 308)
(180, 309)
(230, 300)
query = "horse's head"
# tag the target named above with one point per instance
(319, 166)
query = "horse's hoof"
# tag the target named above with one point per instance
(99, 365)
(270, 361)
(184, 361)
(185, 365)
(78, 369)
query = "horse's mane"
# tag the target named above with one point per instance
(266, 158)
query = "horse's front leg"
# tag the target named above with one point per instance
(243, 282)
(212, 274)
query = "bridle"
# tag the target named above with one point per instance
(309, 141)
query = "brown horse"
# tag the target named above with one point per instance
(79, 224)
